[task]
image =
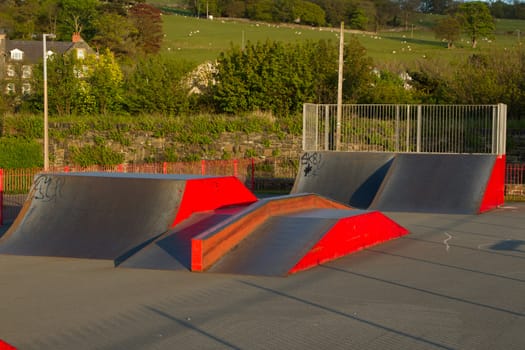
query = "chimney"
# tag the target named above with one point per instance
(75, 38)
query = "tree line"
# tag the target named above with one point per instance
(357, 14)
(127, 28)
(130, 27)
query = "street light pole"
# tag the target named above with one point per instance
(46, 134)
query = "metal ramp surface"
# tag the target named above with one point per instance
(412, 182)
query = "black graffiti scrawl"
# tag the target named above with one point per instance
(47, 188)
(311, 163)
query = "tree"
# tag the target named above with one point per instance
(155, 84)
(407, 7)
(440, 7)
(358, 20)
(49, 16)
(279, 78)
(448, 29)
(357, 71)
(116, 33)
(308, 13)
(496, 77)
(262, 10)
(386, 12)
(387, 87)
(270, 76)
(63, 83)
(148, 22)
(236, 8)
(20, 18)
(476, 20)
(76, 16)
(104, 82)
(335, 10)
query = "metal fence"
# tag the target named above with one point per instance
(405, 128)
(515, 182)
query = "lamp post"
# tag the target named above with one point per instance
(46, 135)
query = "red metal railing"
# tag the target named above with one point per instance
(515, 182)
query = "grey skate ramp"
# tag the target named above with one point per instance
(104, 216)
(276, 246)
(439, 183)
(91, 216)
(349, 177)
(172, 250)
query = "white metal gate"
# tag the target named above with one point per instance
(406, 128)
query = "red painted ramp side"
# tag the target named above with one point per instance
(349, 235)
(210, 193)
(211, 245)
(286, 244)
(6, 346)
(494, 195)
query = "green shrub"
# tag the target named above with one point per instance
(95, 155)
(20, 153)
(23, 125)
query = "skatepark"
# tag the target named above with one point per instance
(377, 250)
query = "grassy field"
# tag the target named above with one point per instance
(200, 39)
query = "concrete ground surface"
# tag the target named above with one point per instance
(455, 282)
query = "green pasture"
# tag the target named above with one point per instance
(199, 39)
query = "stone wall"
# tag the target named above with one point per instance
(142, 147)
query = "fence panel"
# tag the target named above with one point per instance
(515, 182)
(405, 128)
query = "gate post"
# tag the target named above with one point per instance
(419, 122)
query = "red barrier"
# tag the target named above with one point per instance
(495, 192)
(5, 346)
(219, 192)
(1, 197)
(253, 174)
(350, 235)
(515, 182)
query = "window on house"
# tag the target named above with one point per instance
(26, 88)
(11, 70)
(10, 88)
(80, 72)
(26, 72)
(17, 54)
(81, 54)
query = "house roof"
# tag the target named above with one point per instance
(33, 50)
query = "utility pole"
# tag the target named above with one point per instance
(46, 128)
(340, 88)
